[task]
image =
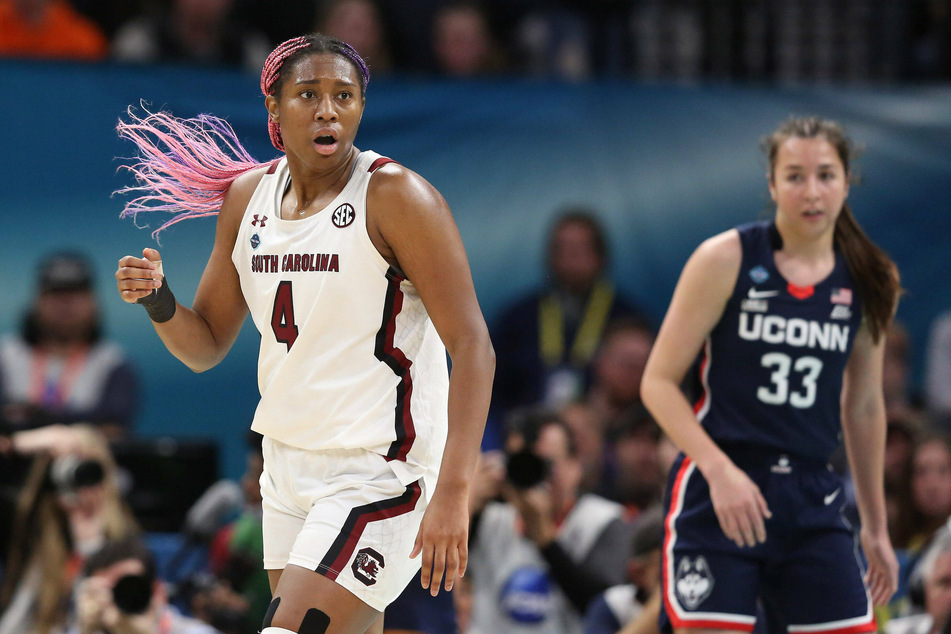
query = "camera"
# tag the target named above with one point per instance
(71, 473)
(526, 469)
(132, 594)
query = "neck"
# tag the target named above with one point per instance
(319, 187)
(60, 347)
(806, 246)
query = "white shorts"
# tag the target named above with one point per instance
(342, 513)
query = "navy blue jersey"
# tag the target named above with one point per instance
(773, 365)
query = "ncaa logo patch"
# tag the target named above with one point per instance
(759, 274)
(526, 596)
(694, 581)
(367, 565)
(343, 215)
(255, 241)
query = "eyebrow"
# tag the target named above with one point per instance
(337, 82)
(800, 167)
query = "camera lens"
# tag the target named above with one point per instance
(526, 469)
(132, 594)
(70, 473)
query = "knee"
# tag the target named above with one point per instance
(314, 622)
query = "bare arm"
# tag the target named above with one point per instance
(411, 224)
(705, 286)
(863, 427)
(646, 621)
(202, 335)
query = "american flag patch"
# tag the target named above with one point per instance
(842, 296)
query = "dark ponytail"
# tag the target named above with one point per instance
(874, 274)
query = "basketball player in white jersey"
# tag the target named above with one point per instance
(355, 275)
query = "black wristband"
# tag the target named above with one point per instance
(160, 304)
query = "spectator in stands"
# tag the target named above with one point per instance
(49, 29)
(930, 40)
(546, 341)
(199, 32)
(236, 553)
(637, 601)
(633, 472)
(58, 368)
(121, 593)
(554, 41)
(69, 506)
(933, 577)
(360, 24)
(938, 372)
(896, 372)
(616, 373)
(929, 498)
(463, 42)
(538, 558)
(902, 435)
(606, 420)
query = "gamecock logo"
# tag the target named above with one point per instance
(367, 565)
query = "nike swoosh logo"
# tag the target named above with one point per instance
(827, 500)
(755, 294)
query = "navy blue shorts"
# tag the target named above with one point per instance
(809, 570)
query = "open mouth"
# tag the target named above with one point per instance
(325, 139)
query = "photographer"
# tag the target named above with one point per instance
(120, 594)
(539, 557)
(69, 506)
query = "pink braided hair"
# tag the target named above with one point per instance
(269, 75)
(191, 175)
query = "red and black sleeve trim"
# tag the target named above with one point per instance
(387, 352)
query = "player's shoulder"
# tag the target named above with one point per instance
(242, 189)
(245, 184)
(398, 187)
(722, 250)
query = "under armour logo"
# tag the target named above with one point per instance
(257, 219)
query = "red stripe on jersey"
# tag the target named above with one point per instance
(273, 167)
(380, 162)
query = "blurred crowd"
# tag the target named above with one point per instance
(752, 40)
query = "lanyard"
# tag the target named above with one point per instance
(551, 327)
(51, 390)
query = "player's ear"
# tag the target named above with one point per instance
(273, 107)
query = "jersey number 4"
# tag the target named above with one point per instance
(282, 317)
(778, 393)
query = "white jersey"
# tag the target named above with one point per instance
(349, 356)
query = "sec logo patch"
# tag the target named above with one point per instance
(343, 215)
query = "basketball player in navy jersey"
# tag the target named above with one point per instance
(790, 316)
(355, 275)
